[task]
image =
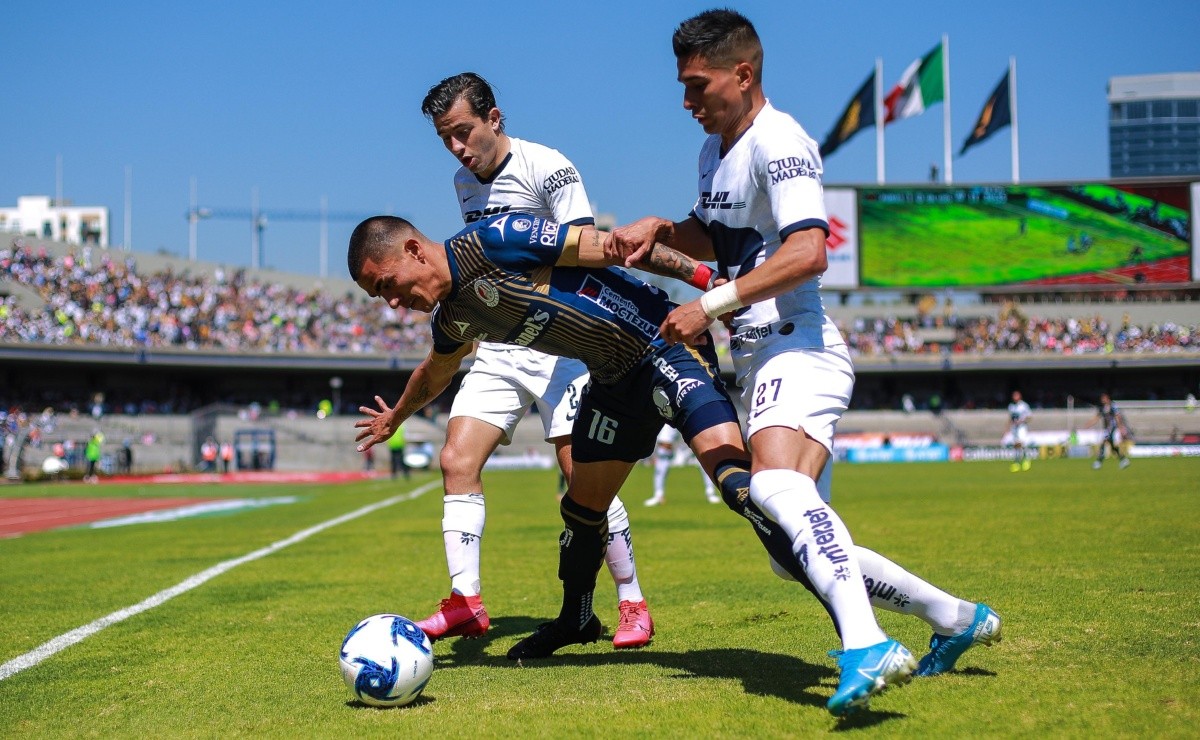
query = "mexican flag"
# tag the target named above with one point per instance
(921, 85)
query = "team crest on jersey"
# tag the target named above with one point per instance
(684, 386)
(487, 293)
(521, 224)
(662, 403)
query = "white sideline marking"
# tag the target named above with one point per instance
(37, 655)
(183, 512)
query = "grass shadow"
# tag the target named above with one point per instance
(760, 673)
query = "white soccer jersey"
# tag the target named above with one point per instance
(767, 186)
(532, 178)
(1019, 413)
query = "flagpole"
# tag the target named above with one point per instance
(946, 156)
(879, 156)
(1012, 107)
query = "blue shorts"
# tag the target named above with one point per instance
(678, 385)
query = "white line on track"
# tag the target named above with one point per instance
(37, 655)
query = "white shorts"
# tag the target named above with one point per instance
(796, 387)
(1019, 435)
(504, 381)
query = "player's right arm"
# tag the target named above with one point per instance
(430, 378)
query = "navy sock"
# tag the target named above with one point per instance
(733, 478)
(581, 548)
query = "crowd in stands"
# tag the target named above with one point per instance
(1013, 331)
(110, 304)
(106, 303)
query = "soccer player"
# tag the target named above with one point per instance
(520, 279)
(760, 214)
(664, 453)
(1109, 416)
(1017, 432)
(500, 173)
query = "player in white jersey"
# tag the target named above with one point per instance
(760, 214)
(664, 455)
(1017, 432)
(501, 173)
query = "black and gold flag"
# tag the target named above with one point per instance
(859, 114)
(996, 114)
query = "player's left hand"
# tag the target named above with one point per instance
(378, 427)
(686, 324)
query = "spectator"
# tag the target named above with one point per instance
(92, 454)
(396, 446)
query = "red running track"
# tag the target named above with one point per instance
(23, 515)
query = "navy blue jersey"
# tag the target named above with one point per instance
(507, 288)
(1110, 416)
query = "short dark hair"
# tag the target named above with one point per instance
(373, 239)
(722, 37)
(468, 86)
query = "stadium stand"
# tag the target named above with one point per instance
(160, 337)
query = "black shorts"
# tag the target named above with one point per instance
(678, 385)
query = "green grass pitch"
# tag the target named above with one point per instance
(1094, 573)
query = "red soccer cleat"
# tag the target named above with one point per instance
(457, 616)
(636, 628)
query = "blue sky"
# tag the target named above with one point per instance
(309, 99)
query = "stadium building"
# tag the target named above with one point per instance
(44, 217)
(1154, 125)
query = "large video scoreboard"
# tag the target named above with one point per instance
(1014, 235)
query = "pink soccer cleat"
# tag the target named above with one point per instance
(636, 628)
(457, 616)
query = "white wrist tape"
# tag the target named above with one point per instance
(721, 300)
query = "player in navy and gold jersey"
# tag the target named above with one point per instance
(501, 174)
(1112, 421)
(520, 279)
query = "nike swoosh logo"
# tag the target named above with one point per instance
(465, 199)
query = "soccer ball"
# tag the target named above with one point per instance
(386, 660)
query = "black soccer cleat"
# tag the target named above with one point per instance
(550, 636)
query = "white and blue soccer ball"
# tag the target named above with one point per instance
(386, 660)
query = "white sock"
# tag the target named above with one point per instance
(661, 464)
(895, 589)
(462, 530)
(619, 556)
(823, 545)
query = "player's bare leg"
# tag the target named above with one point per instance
(469, 443)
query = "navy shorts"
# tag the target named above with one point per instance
(677, 385)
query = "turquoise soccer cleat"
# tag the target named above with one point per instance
(868, 671)
(944, 651)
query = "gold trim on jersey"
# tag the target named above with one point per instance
(541, 280)
(496, 305)
(569, 257)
